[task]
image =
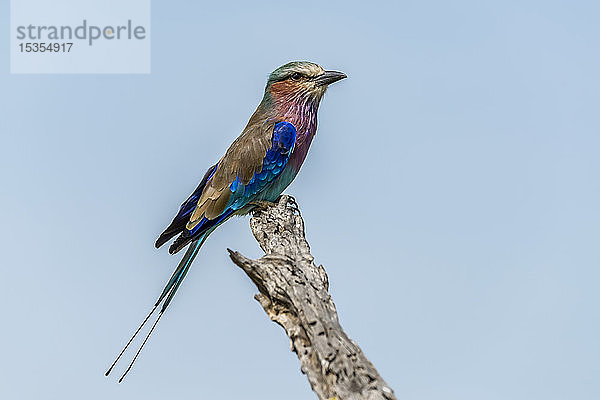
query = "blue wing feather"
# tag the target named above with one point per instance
(282, 145)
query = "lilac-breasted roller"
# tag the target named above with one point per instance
(256, 168)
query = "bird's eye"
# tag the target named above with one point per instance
(296, 76)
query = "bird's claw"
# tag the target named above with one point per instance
(291, 202)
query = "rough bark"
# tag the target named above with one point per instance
(294, 294)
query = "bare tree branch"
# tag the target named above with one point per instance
(294, 294)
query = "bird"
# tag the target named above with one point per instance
(254, 171)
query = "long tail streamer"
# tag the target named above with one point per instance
(166, 295)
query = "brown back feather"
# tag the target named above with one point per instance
(243, 158)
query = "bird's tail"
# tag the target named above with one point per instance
(166, 296)
(177, 277)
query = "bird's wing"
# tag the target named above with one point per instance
(251, 163)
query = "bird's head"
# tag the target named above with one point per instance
(300, 81)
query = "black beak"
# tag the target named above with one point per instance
(329, 77)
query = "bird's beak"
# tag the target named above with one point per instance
(328, 77)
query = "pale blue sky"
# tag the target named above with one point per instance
(451, 193)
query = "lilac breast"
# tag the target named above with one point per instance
(304, 118)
